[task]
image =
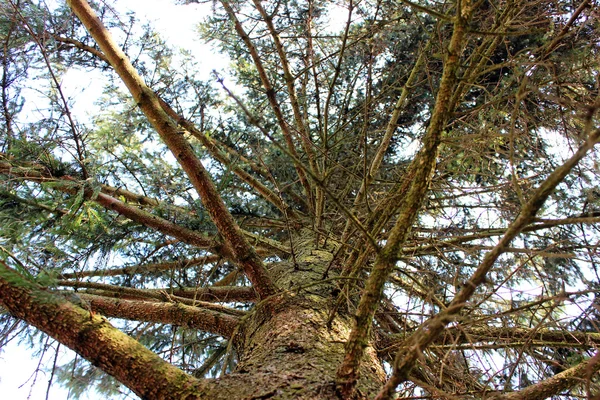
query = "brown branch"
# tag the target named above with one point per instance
(203, 294)
(162, 225)
(533, 252)
(95, 339)
(144, 268)
(219, 293)
(130, 196)
(431, 329)
(537, 224)
(243, 253)
(257, 239)
(389, 133)
(500, 338)
(289, 80)
(166, 313)
(301, 127)
(547, 388)
(81, 46)
(270, 92)
(129, 293)
(213, 147)
(429, 11)
(226, 294)
(420, 172)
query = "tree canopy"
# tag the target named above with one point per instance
(406, 205)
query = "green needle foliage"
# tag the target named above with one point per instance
(417, 183)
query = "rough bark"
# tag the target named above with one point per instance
(285, 348)
(95, 339)
(168, 131)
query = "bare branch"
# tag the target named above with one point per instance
(426, 334)
(167, 313)
(270, 92)
(560, 382)
(144, 268)
(420, 175)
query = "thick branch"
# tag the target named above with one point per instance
(558, 383)
(94, 338)
(421, 172)
(165, 313)
(168, 131)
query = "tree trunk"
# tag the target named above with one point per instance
(285, 347)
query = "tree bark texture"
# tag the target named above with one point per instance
(285, 348)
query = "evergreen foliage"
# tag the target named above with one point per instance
(425, 171)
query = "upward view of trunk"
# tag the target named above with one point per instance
(371, 200)
(286, 346)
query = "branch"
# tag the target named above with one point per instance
(536, 225)
(289, 80)
(389, 133)
(270, 92)
(130, 196)
(243, 253)
(315, 178)
(167, 294)
(500, 338)
(38, 173)
(211, 144)
(143, 268)
(81, 46)
(219, 293)
(94, 338)
(165, 313)
(213, 147)
(224, 294)
(420, 173)
(301, 126)
(429, 11)
(431, 329)
(558, 383)
(162, 225)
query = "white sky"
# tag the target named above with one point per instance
(17, 372)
